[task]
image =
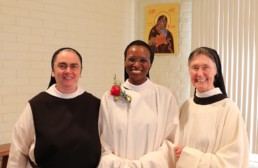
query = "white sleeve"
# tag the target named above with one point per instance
(163, 157)
(22, 139)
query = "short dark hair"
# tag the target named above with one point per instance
(138, 43)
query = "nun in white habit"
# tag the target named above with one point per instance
(212, 131)
(138, 124)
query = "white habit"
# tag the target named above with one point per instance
(140, 133)
(214, 135)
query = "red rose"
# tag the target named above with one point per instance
(115, 90)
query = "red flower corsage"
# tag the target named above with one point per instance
(117, 92)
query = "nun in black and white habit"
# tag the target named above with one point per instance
(212, 131)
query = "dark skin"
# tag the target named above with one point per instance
(137, 64)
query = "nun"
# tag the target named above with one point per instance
(59, 126)
(212, 130)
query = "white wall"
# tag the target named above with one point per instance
(30, 32)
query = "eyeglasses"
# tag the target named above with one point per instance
(140, 60)
(64, 66)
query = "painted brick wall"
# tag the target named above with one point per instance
(30, 32)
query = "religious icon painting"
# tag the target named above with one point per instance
(161, 28)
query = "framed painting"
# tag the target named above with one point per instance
(161, 28)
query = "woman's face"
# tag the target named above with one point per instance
(67, 71)
(137, 64)
(202, 72)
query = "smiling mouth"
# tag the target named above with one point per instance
(134, 70)
(201, 80)
(68, 78)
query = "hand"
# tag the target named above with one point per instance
(178, 150)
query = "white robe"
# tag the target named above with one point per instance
(214, 136)
(140, 133)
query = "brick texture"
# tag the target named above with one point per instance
(30, 32)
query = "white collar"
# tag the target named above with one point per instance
(138, 88)
(209, 93)
(54, 92)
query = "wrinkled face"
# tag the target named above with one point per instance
(137, 64)
(67, 71)
(202, 72)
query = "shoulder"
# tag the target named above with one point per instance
(39, 96)
(229, 102)
(90, 96)
(162, 89)
(164, 93)
(225, 106)
(187, 103)
(87, 99)
(106, 94)
(230, 106)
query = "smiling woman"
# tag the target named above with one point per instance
(202, 71)
(137, 64)
(212, 130)
(139, 131)
(59, 126)
(237, 45)
(66, 69)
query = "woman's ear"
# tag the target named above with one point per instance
(52, 74)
